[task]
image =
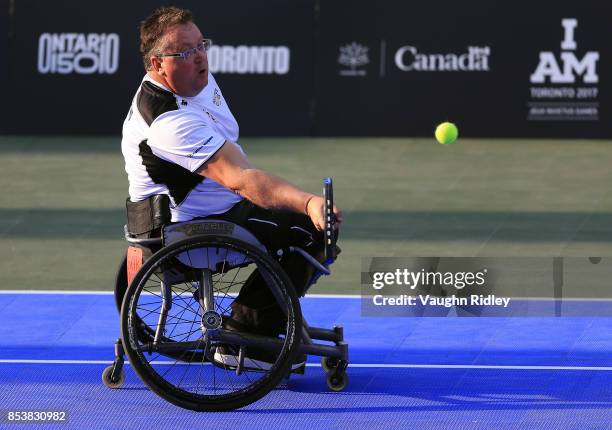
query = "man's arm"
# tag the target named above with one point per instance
(230, 168)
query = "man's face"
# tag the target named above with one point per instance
(184, 77)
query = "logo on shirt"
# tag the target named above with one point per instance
(80, 53)
(200, 147)
(211, 116)
(217, 97)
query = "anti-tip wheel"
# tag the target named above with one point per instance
(329, 364)
(112, 383)
(337, 382)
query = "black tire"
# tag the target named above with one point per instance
(112, 383)
(242, 389)
(337, 381)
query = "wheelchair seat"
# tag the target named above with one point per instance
(210, 260)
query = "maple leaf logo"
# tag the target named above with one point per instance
(353, 55)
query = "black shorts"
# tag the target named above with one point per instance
(276, 229)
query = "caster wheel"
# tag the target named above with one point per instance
(337, 382)
(329, 363)
(112, 383)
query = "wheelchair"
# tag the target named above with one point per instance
(175, 307)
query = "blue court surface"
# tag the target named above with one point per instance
(424, 373)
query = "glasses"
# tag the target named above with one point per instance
(201, 47)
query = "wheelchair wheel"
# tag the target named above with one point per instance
(176, 357)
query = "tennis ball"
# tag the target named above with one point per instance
(446, 133)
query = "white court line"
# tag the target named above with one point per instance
(50, 292)
(110, 293)
(308, 296)
(355, 365)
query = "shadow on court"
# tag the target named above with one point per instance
(360, 225)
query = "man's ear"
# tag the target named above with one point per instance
(156, 64)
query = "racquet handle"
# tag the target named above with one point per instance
(330, 220)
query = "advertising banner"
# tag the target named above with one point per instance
(505, 69)
(80, 66)
(76, 66)
(6, 72)
(341, 68)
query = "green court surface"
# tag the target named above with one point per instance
(62, 202)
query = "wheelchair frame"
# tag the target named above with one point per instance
(334, 358)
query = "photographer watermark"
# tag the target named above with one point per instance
(33, 416)
(460, 286)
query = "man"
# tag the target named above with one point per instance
(179, 139)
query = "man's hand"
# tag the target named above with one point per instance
(315, 210)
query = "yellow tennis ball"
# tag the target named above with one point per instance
(446, 133)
